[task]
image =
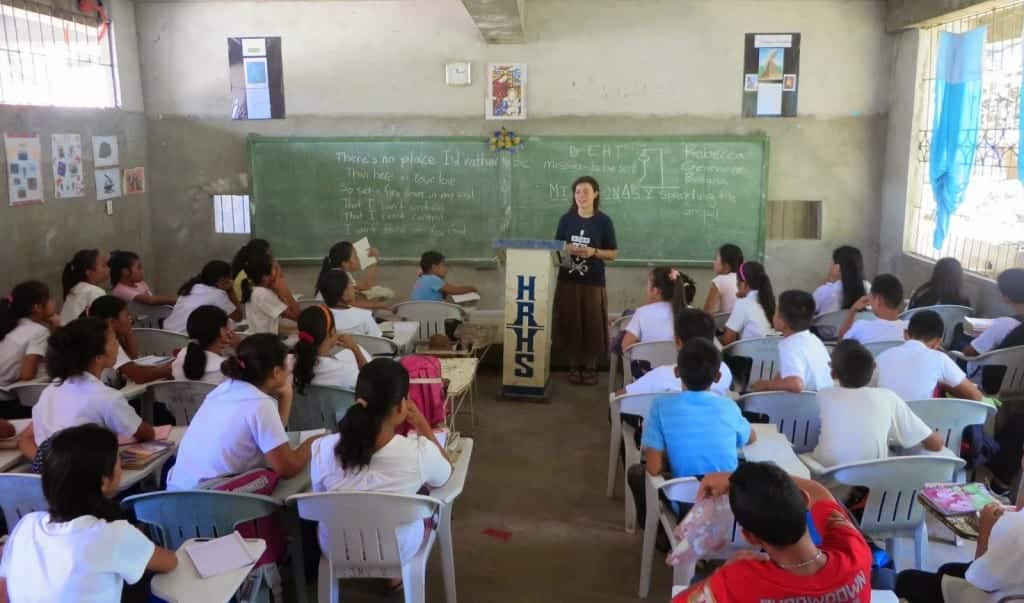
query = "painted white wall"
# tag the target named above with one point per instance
(585, 57)
(126, 46)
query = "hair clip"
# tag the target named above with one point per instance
(307, 337)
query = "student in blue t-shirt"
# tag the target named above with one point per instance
(695, 431)
(430, 286)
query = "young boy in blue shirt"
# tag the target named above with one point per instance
(694, 432)
(430, 286)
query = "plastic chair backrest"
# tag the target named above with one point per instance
(658, 353)
(149, 317)
(636, 404)
(763, 353)
(29, 394)
(430, 314)
(320, 407)
(158, 342)
(360, 527)
(797, 416)
(827, 325)
(20, 494)
(878, 347)
(1013, 360)
(893, 484)
(951, 317)
(177, 515)
(182, 398)
(376, 346)
(720, 319)
(949, 417)
(309, 303)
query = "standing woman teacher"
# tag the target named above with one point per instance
(581, 300)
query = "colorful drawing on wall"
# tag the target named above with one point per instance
(24, 176)
(135, 181)
(771, 67)
(68, 180)
(771, 62)
(108, 184)
(750, 82)
(789, 82)
(104, 151)
(506, 91)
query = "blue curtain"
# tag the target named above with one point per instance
(957, 114)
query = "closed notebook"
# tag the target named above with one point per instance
(466, 298)
(957, 499)
(220, 555)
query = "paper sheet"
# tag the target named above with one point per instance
(769, 99)
(466, 298)
(220, 555)
(362, 247)
(153, 360)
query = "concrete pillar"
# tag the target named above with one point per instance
(903, 14)
(500, 21)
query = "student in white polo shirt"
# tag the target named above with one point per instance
(803, 358)
(81, 279)
(689, 323)
(80, 548)
(266, 296)
(78, 354)
(211, 287)
(210, 336)
(114, 310)
(316, 361)
(916, 369)
(26, 317)
(752, 315)
(885, 299)
(668, 292)
(240, 425)
(1011, 285)
(339, 293)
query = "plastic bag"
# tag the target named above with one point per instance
(706, 530)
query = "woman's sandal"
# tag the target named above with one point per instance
(590, 377)
(575, 376)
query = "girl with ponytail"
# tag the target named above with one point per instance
(211, 287)
(316, 361)
(254, 249)
(209, 336)
(845, 283)
(668, 292)
(26, 317)
(367, 455)
(82, 279)
(241, 424)
(266, 296)
(342, 257)
(339, 294)
(753, 312)
(722, 293)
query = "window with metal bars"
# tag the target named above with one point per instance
(987, 232)
(50, 56)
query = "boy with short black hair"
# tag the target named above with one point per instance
(857, 421)
(885, 299)
(915, 369)
(771, 509)
(431, 285)
(803, 359)
(997, 335)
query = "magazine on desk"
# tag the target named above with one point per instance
(137, 456)
(951, 500)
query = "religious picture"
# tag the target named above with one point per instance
(506, 91)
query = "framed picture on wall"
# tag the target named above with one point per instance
(506, 91)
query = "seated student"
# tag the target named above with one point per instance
(689, 324)
(210, 336)
(256, 248)
(77, 355)
(211, 287)
(997, 335)
(267, 297)
(343, 257)
(668, 292)
(693, 432)
(752, 315)
(859, 422)
(339, 295)
(993, 575)
(944, 288)
(81, 548)
(115, 311)
(885, 299)
(367, 455)
(845, 283)
(722, 293)
(126, 278)
(803, 358)
(314, 361)
(771, 507)
(81, 280)
(915, 369)
(26, 317)
(240, 425)
(430, 285)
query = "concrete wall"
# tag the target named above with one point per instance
(595, 67)
(37, 240)
(908, 13)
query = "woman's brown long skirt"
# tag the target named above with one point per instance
(581, 323)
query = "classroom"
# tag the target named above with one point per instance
(535, 299)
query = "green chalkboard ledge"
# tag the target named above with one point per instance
(477, 263)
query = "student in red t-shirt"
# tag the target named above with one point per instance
(771, 508)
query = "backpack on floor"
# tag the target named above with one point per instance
(426, 389)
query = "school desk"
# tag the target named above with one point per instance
(132, 477)
(184, 584)
(771, 446)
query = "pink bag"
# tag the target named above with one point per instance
(426, 390)
(269, 528)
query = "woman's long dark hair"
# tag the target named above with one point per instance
(851, 271)
(597, 193)
(204, 326)
(947, 282)
(73, 469)
(333, 286)
(19, 304)
(382, 385)
(678, 291)
(254, 248)
(256, 270)
(339, 253)
(75, 270)
(731, 255)
(72, 348)
(257, 357)
(119, 261)
(315, 323)
(212, 272)
(754, 275)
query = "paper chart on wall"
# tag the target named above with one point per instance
(24, 176)
(135, 181)
(108, 184)
(68, 179)
(104, 151)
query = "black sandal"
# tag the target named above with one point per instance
(575, 376)
(590, 377)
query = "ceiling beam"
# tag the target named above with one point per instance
(903, 14)
(499, 21)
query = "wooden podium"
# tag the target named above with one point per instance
(531, 275)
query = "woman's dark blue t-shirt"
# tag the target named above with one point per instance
(597, 231)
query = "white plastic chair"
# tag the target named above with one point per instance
(827, 325)
(378, 347)
(309, 303)
(658, 353)
(892, 510)
(1011, 358)
(158, 342)
(361, 538)
(617, 326)
(624, 435)
(763, 353)
(182, 398)
(878, 347)
(28, 392)
(431, 316)
(720, 319)
(949, 417)
(149, 317)
(797, 416)
(320, 407)
(951, 317)
(20, 494)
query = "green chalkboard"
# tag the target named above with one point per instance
(673, 199)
